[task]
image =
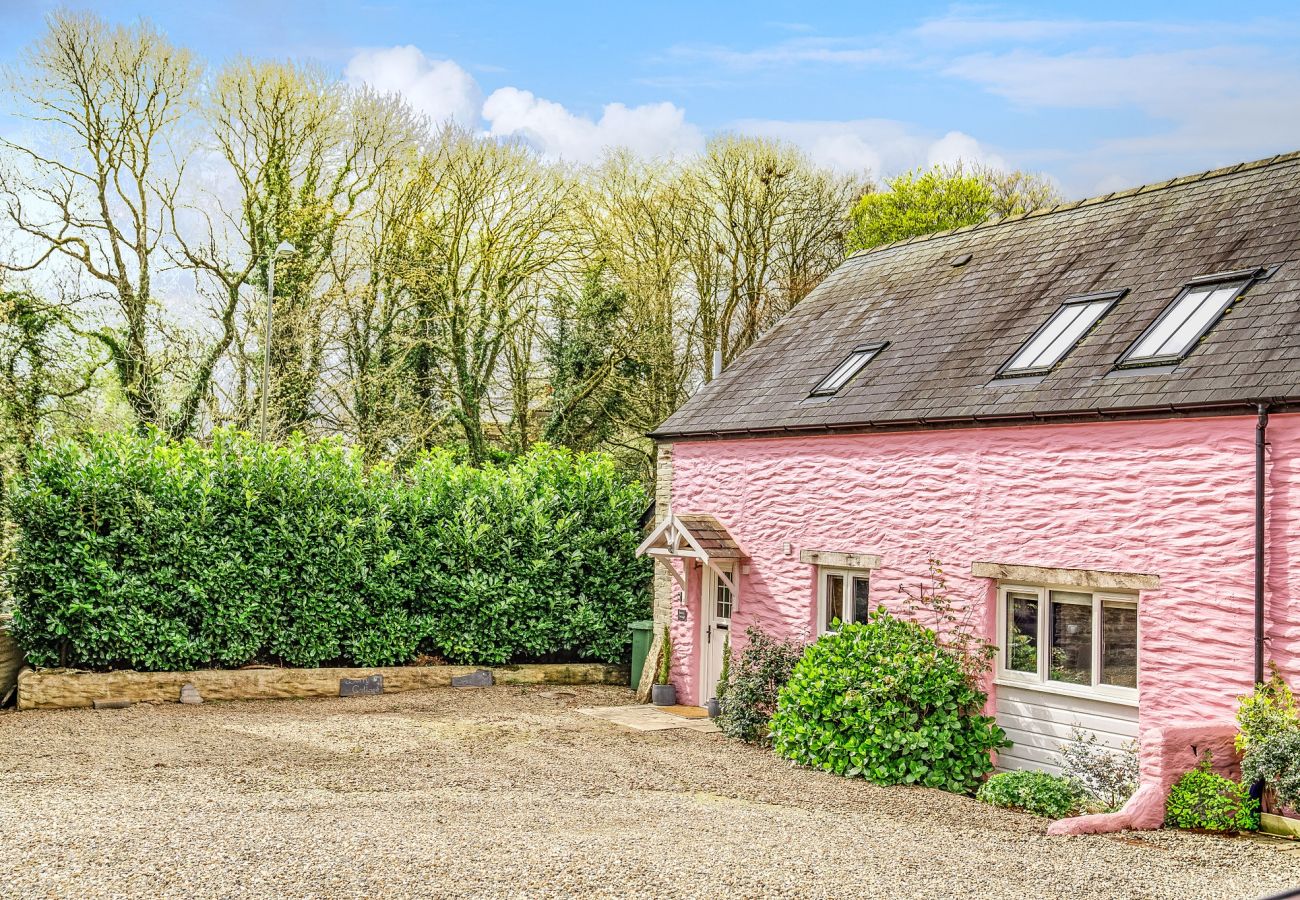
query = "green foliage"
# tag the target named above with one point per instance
(886, 701)
(726, 667)
(1266, 713)
(918, 203)
(1275, 760)
(665, 659)
(749, 689)
(591, 367)
(135, 552)
(1037, 792)
(943, 197)
(1202, 799)
(1107, 775)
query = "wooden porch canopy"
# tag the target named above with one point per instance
(697, 536)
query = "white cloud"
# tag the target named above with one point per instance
(655, 129)
(792, 52)
(883, 147)
(957, 146)
(438, 88)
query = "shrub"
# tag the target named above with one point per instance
(1202, 799)
(1276, 761)
(884, 700)
(753, 683)
(1107, 775)
(665, 659)
(135, 552)
(1042, 794)
(1266, 713)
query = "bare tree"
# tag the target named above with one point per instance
(116, 99)
(305, 153)
(494, 228)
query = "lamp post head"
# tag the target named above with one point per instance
(285, 249)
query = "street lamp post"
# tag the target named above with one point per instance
(285, 249)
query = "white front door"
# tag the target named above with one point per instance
(716, 604)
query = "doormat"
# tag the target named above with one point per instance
(686, 712)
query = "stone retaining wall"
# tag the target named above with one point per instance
(67, 689)
(11, 658)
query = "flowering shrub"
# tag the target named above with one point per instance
(748, 693)
(1106, 775)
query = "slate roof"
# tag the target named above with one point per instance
(950, 328)
(712, 537)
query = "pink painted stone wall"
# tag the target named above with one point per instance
(1173, 498)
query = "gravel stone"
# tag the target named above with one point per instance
(510, 792)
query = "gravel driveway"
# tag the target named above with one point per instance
(509, 792)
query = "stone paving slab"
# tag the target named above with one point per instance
(647, 718)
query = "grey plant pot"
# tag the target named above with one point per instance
(663, 695)
(714, 707)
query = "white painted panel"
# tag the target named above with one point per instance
(1038, 722)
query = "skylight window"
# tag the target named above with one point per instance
(1059, 334)
(844, 372)
(1175, 333)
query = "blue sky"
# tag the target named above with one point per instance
(1097, 95)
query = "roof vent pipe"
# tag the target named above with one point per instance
(1261, 444)
(717, 359)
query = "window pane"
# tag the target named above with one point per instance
(861, 599)
(1026, 359)
(1071, 638)
(1089, 312)
(1198, 321)
(842, 373)
(723, 600)
(1168, 324)
(834, 599)
(1186, 321)
(1059, 336)
(1022, 632)
(1119, 644)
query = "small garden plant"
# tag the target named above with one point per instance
(885, 700)
(749, 689)
(1040, 793)
(664, 675)
(1106, 775)
(1276, 762)
(1205, 800)
(1269, 711)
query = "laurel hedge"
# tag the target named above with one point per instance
(135, 552)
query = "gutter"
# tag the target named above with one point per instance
(1261, 448)
(1163, 411)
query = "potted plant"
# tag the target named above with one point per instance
(714, 706)
(662, 692)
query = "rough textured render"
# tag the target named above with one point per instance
(1166, 754)
(951, 328)
(1172, 498)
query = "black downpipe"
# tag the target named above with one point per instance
(1261, 443)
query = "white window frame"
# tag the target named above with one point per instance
(1088, 310)
(839, 377)
(848, 574)
(1038, 680)
(1207, 286)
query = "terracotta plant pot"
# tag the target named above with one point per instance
(663, 695)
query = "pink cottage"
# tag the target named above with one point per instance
(1089, 415)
